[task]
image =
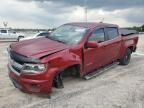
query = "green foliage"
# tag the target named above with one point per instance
(139, 29)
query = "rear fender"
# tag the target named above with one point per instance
(127, 44)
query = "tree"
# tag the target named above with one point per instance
(142, 28)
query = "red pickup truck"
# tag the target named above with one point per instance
(77, 49)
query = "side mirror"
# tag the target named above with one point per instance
(92, 44)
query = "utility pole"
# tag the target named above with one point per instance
(5, 24)
(85, 9)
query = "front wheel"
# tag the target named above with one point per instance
(126, 58)
(20, 37)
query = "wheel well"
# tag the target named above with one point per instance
(132, 48)
(70, 71)
(73, 70)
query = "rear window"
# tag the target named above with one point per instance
(112, 32)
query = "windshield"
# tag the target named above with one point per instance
(68, 34)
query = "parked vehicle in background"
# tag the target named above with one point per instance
(6, 33)
(37, 35)
(77, 49)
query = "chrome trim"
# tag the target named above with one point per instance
(15, 64)
(13, 70)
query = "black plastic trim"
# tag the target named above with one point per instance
(22, 59)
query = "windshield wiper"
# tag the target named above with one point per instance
(60, 41)
(55, 39)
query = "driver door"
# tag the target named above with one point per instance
(4, 34)
(95, 57)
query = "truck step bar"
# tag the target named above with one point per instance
(100, 71)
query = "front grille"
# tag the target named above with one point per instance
(16, 69)
(13, 70)
(16, 61)
(15, 66)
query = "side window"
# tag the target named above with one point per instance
(112, 32)
(43, 34)
(3, 31)
(98, 35)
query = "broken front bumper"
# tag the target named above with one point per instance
(30, 84)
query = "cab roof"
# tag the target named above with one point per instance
(91, 25)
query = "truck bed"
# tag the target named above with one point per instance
(130, 37)
(127, 32)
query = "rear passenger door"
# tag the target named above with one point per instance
(113, 44)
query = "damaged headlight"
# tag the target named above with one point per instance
(34, 68)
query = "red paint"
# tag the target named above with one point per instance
(60, 56)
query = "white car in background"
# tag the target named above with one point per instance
(10, 34)
(38, 35)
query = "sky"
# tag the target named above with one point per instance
(53, 13)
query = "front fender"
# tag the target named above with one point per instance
(62, 60)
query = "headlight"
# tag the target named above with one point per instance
(34, 68)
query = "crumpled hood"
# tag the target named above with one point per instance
(38, 47)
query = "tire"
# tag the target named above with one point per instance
(20, 38)
(58, 81)
(126, 58)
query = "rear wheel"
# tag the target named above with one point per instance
(126, 58)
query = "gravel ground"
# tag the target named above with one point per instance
(120, 87)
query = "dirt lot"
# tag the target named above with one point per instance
(121, 87)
